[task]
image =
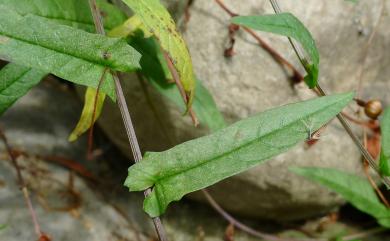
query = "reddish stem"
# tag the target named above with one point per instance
(23, 187)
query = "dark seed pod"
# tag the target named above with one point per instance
(373, 109)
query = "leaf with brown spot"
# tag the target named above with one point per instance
(159, 22)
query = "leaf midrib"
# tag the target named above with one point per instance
(235, 149)
(55, 50)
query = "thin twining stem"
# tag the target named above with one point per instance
(244, 227)
(340, 117)
(23, 186)
(126, 117)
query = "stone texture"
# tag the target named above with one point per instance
(252, 82)
(67, 209)
(73, 208)
(40, 122)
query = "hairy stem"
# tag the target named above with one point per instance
(126, 117)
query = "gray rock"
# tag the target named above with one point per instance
(69, 207)
(251, 82)
(66, 207)
(85, 216)
(40, 122)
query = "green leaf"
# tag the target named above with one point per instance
(155, 70)
(354, 189)
(74, 13)
(15, 81)
(66, 52)
(157, 21)
(384, 161)
(199, 163)
(288, 25)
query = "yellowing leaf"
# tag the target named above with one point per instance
(129, 26)
(93, 104)
(159, 22)
(87, 114)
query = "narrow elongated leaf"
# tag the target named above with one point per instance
(74, 13)
(288, 25)
(66, 52)
(156, 72)
(202, 162)
(15, 81)
(159, 23)
(354, 189)
(92, 103)
(384, 161)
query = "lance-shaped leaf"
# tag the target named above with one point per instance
(199, 163)
(93, 105)
(66, 52)
(159, 23)
(288, 25)
(354, 189)
(74, 13)
(156, 72)
(15, 81)
(384, 161)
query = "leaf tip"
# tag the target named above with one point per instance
(72, 137)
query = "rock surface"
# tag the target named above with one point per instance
(251, 82)
(42, 125)
(69, 207)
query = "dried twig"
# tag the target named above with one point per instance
(126, 117)
(23, 188)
